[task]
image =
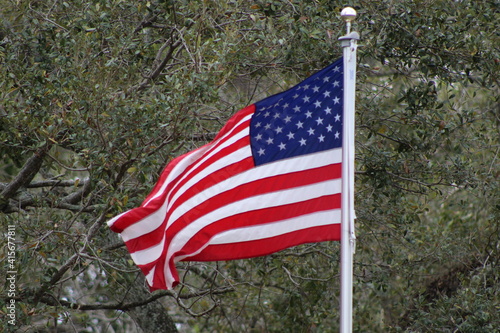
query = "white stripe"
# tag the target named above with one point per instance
(268, 230)
(264, 231)
(277, 228)
(148, 255)
(150, 276)
(154, 220)
(114, 219)
(264, 171)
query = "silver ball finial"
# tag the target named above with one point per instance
(348, 14)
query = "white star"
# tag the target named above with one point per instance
(285, 105)
(326, 79)
(317, 104)
(329, 128)
(337, 135)
(296, 108)
(327, 93)
(276, 115)
(261, 152)
(319, 121)
(336, 100)
(306, 99)
(337, 117)
(328, 110)
(336, 69)
(267, 114)
(302, 142)
(306, 87)
(295, 96)
(308, 114)
(268, 126)
(258, 137)
(321, 138)
(315, 89)
(336, 83)
(269, 141)
(299, 125)
(259, 124)
(282, 146)
(311, 131)
(287, 119)
(278, 130)
(290, 135)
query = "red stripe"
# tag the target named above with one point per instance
(260, 186)
(269, 245)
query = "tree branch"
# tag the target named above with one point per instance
(26, 199)
(443, 285)
(56, 182)
(156, 70)
(73, 259)
(26, 175)
(51, 300)
(78, 196)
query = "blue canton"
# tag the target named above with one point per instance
(302, 120)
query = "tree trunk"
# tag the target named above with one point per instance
(152, 317)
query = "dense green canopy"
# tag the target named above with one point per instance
(97, 96)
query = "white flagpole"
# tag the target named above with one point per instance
(348, 238)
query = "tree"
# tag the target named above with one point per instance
(96, 97)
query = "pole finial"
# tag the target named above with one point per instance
(348, 15)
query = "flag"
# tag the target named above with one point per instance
(270, 180)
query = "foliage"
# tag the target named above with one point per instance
(97, 96)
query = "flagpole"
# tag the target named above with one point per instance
(348, 238)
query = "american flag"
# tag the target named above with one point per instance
(271, 179)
